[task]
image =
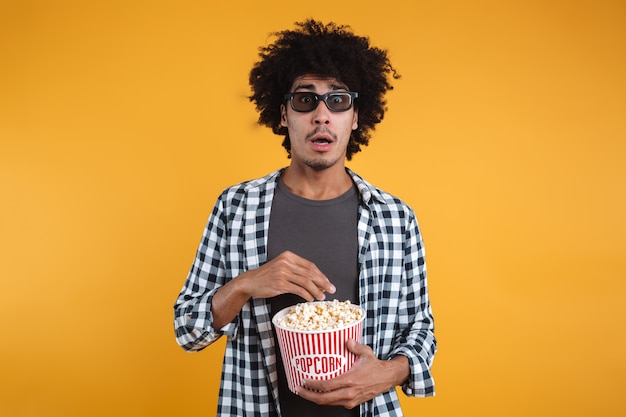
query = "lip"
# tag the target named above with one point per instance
(321, 141)
(321, 144)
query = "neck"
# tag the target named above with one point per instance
(317, 184)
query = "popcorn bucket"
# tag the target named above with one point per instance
(316, 354)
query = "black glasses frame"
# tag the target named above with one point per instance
(322, 97)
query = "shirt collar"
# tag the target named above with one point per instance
(368, 192)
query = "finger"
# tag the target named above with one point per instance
(300, 285)
(309, 276)
(308, 269)
(317, 277)
(316, 397)
(320, 282)
(337, 397)
(313, 288)
(291, 274)
(324, 386)
(357, 348)
(309, 294)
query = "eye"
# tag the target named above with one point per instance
(305, 98)
(338, 98)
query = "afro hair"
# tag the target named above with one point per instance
(327, 50)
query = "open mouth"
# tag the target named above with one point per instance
(322, 137)
(322, 144)
(321, 141)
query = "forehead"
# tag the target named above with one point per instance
(316, 83)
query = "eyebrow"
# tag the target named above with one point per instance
(312, 87)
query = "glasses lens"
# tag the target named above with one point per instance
(304, 101)
(339, 101)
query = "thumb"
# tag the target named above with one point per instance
(357, 348)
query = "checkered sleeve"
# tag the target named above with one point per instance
(193, 320)
(416, 341)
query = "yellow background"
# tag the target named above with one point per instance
(120, 122)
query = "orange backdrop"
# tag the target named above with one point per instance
(121, 121)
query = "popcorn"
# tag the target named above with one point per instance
(322, 315)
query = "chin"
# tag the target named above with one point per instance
(320, 164)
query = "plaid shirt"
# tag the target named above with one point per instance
(392, 289)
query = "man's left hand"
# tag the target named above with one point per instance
(367, 378)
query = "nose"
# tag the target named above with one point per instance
(321, 114)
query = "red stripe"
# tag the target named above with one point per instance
(294, 344)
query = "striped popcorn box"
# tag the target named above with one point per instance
(316, 351)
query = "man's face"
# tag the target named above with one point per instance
(319, 138)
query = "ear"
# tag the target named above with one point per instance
(355, 120)
(283, 115)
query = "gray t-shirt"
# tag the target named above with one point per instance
(325, 233)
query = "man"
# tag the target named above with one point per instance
(312, 231)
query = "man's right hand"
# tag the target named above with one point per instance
(288, 273)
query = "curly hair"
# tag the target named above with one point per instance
(326, 50)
